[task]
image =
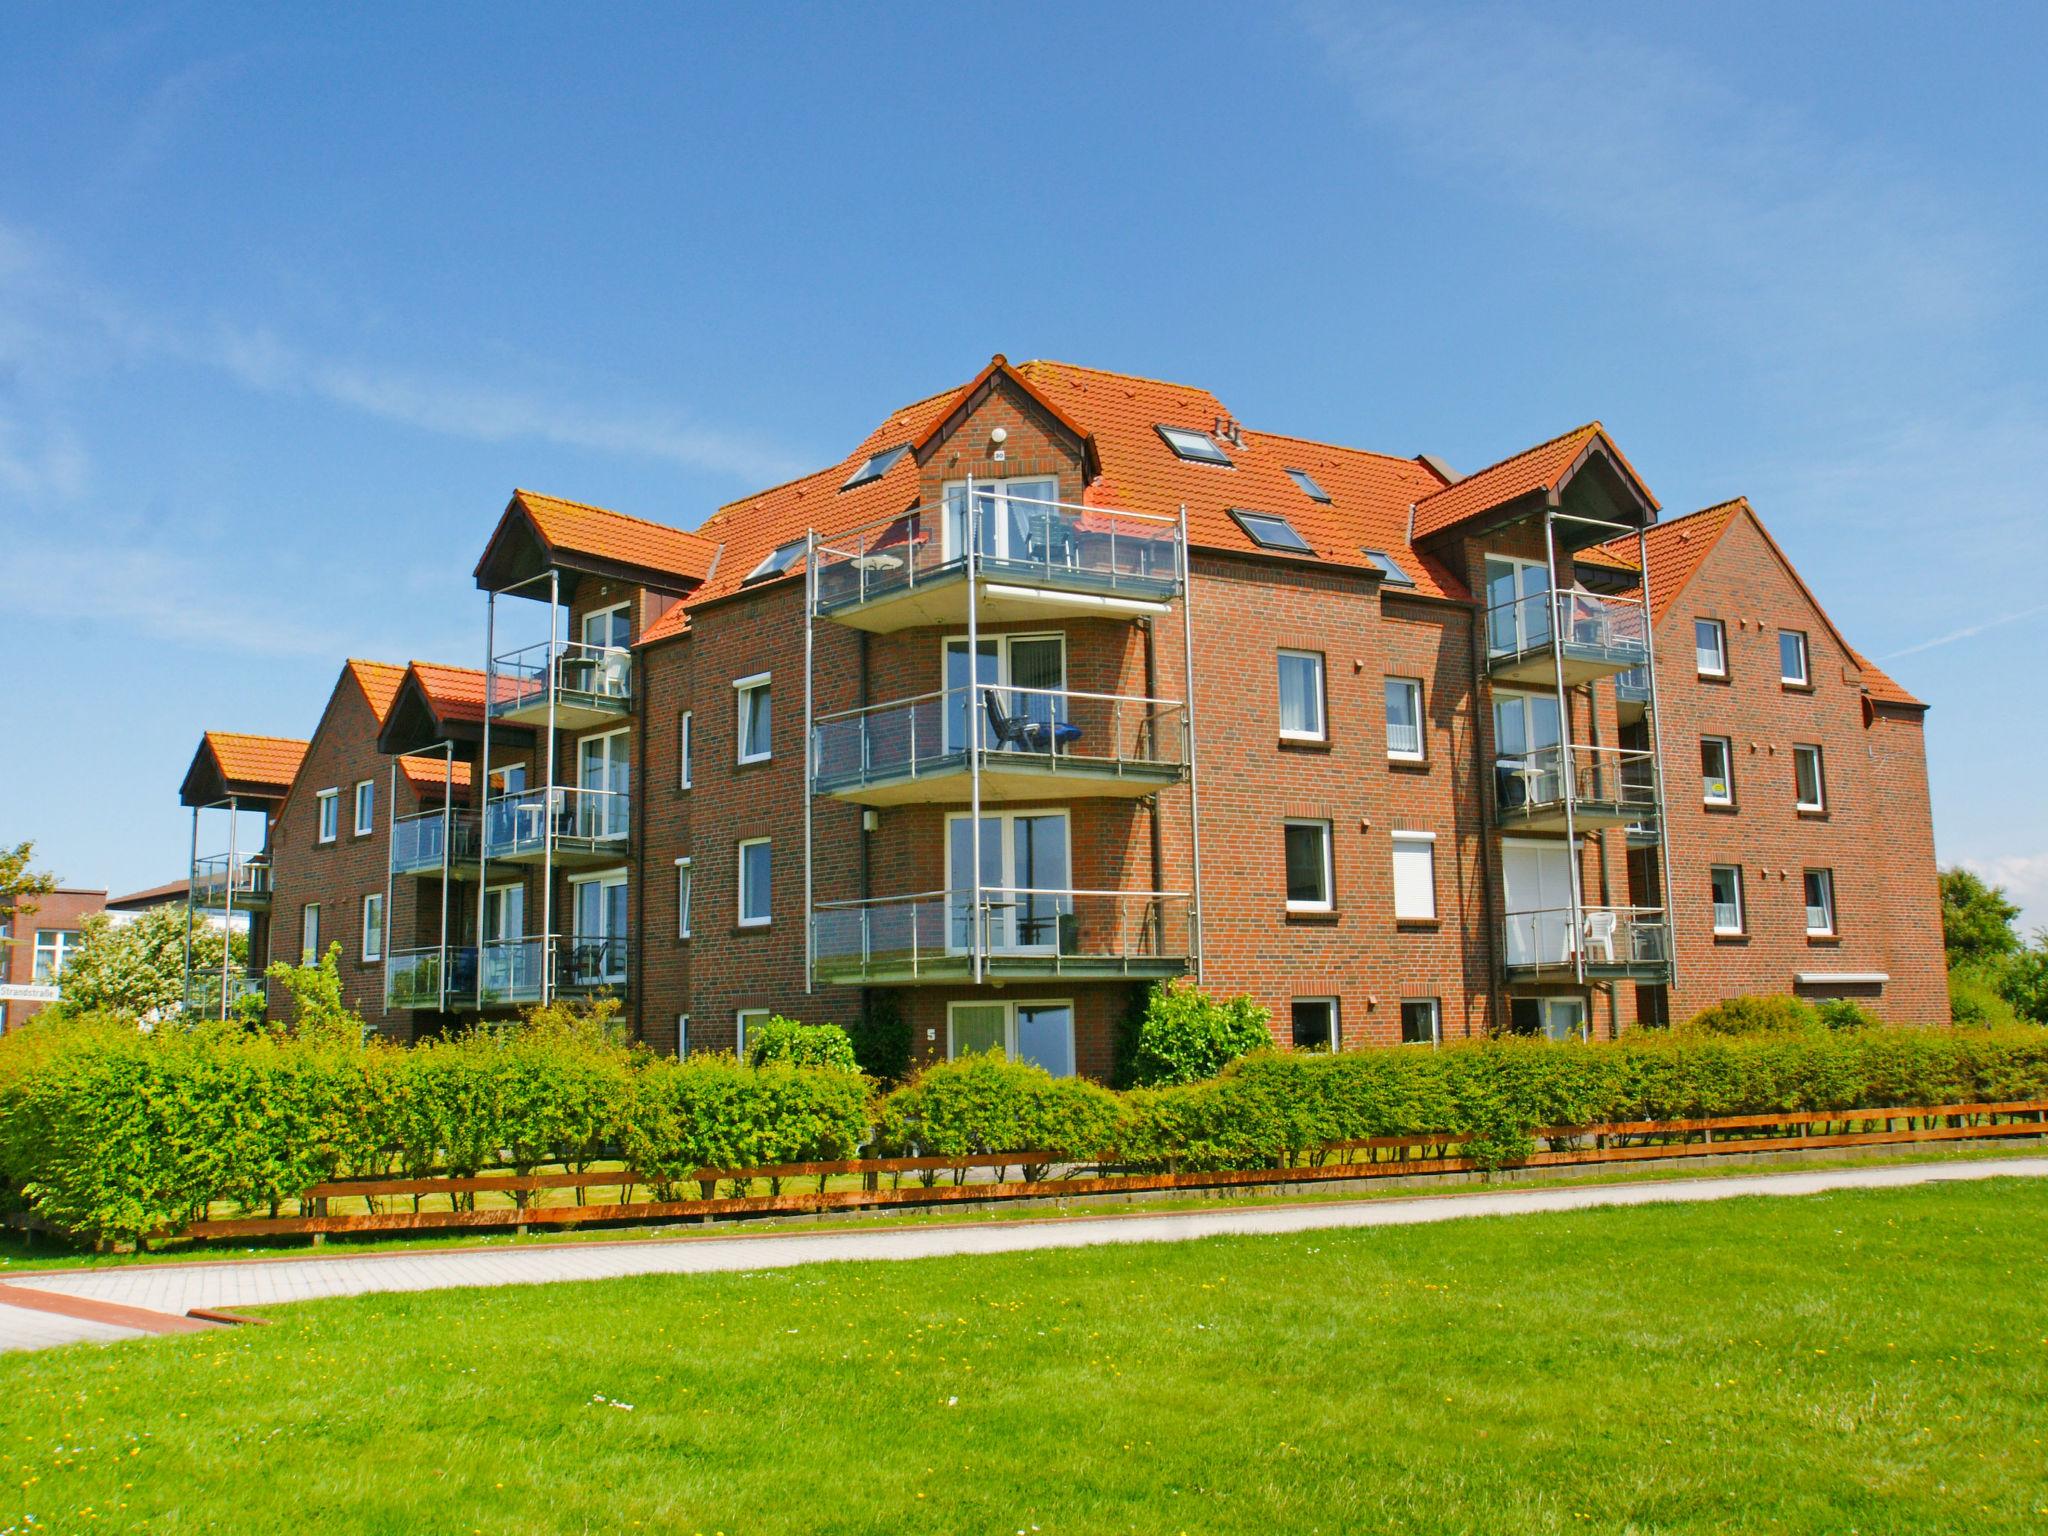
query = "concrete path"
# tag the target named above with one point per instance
(170, 1290)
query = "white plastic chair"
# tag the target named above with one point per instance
(1600, 935)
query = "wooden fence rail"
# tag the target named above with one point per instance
(1387, 1156)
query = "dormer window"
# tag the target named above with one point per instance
(876, 467)
(1196, 447)
(1389, 568)
(1307, 483)
(1271, 532)
(777, 560)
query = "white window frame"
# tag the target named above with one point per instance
(1329, 901)
(739, 1027)
(1320, 730)
(365, 799)
(1427, 842)
(1741, 901)
(1003, 682)
(685, 731)
(1720, 669)
(495, 896)
(1804, 679)
(1002, 936)
(584, 625)
(1336, 1020)
(1827, 908)
(53, 950)
(1010, 1007)
(1809, 751)
(1412, 686)
(1435, 1006)
(683, 870)
(327, 803)
(742, 687)
(309, 933)
(739, 882)
(1000, 492)
(1727, 745)
(682, 1035)
(373, 902)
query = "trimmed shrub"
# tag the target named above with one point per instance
(1975, 1002)
(711, 1112)
(1185, 1035)
(1758, 1015)
(977, 1104)
(881, 1037)
(1846, 1013)
(801, 1045)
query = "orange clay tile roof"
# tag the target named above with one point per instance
(379, 681)
(576, 528)
(427, 775)
(1533, 469)
(271, 762)
(455, 693)
(1879, 684)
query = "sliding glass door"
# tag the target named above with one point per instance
(1025, 877)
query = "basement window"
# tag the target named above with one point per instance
(1198, 447)
(1390, 568)
(777, 560)
(1271, 532)
(1307, 483)
(876, 467)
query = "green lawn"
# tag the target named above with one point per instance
(1870, 1362)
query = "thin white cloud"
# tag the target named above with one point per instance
(1967, 632)
(2025, 878)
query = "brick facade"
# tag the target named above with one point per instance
(61, 911)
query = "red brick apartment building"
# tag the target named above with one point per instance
(34, 947)
(1061, 682)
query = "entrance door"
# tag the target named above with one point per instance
(1025, 876)
(1517, 611)
(1538, 881)
(1009, 663)
(604, 766)
(1526, 735)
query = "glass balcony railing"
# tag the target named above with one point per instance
(518, 971)
(1632, 686)
(218, 878)
(1018, 933)
(413, 977)
(522, 825)
(1609, 633)
(1608, 785)
(216, 997)
(433, 840)
(588, 680)
(1612, 940)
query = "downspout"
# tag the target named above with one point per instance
(638, 924)
(1152, 692)
(1482, 738)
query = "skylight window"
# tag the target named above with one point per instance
(777, 560)
(1307, 482)
(1198, 447)
(1390, 568)
(1272, 532)
(875, 467)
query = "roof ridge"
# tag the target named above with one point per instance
(292, 741)
(446, 666)
(1115, 373)
(591, 506)
(1317, 442)
(1522, 453)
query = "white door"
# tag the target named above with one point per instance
(1538, 881)
(1517, 611)
(1526, 736)
(1009, 663)
(597, 947)
(604, 767)
(1014, 519)
(1024, 876)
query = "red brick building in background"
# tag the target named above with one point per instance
(34, 947)
(1403, 754)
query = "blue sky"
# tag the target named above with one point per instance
(291, 299)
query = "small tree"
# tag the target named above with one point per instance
(19, 884)
(1185, 1035)
(318, 1013)
(1976, 919)
(801, 1045)
(138, 968)
(881, 1037)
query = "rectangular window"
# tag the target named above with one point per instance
(1315, 1024)
(682, 1035)
(1726, 882)
(683, 722)
(753, 861)
(366, 807)
(1717, 770)
(682, 898)
(1301, 696)
(1404, 719)
(745, 1020)
(53, 951)
(1820, 903)
(1809, 781)
(373, 926)
(1421, 1021)
(1042, 1033)
(309, 933)
(1792, 657)
(754, 719)
(609, 629)
(1414, 876)
(1309, 881)
(1271, 532)
(1710, 647)
(329, 803)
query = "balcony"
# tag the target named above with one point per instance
(412, 977)
(1530, 638)
(1615, 943)
(1023, 935)
(1033, 744)
(1609, 786)
(419, 843)
(1033, 559)
(516, 972)
(219, 879)
(204, 993)
(1632, 695)
(592, 685)
(578, 827)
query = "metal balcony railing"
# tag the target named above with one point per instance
(1050, 728)
(1609, 938)
(514, 971)
(1584, 623)
(413, 977)
(1017, 931)
(1633, 686)
(521, 825)
(433, 840)
(218, 876)
(588, 676)
(1609, 781)
(1012, 538)
(204, 993)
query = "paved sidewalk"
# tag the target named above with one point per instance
(175, 1288)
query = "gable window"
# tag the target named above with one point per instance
(683, 723)
(1710, 647)
(1792, 658)
(1414, 877)
(1518, 605)
(682, 898)
(328, 802)
(1309, 881)
(1404, 719)
(373, 926)
(1820, 903)
(1271, 532)
(1315, 1024)
(1809, 782)
(755, 908)
(53, 951)
(1301, 696)
(877, 466)
(309, 933)
(1717, 770)
(1307, 484)
(1389, 568)
(1725, 882)
(776, 561)
(609, 629)
(366, 807)
(754, 718)
(1421, 1021)
(1197, 447)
